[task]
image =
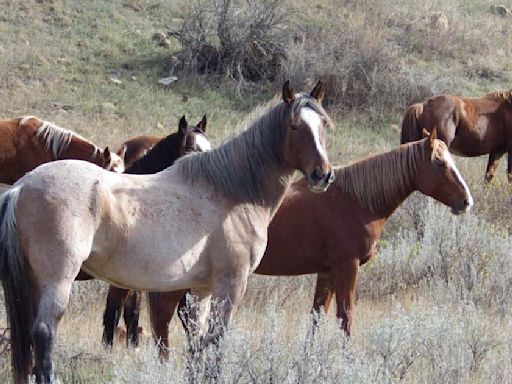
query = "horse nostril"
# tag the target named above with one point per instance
(317, 174)
(466, 203)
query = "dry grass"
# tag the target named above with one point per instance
(433, 306)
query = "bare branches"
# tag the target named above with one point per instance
(245, 41)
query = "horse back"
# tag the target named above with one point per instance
(136, 147)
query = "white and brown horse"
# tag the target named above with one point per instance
(28, 142)
(200, 224)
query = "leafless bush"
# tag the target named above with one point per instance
(244, 40)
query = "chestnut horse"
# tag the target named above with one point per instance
(334, 233)
(138, 146)
(161, 155)
(200, 224)
(28, 142)
(469, 126)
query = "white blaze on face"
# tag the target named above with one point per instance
(314, 122)
(117, 164)
(449, 160)
(202, 143)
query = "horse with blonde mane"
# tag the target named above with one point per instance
(28, 142)
(200, 224)
(334, 233)
(469, 126)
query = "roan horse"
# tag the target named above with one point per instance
(161, 155)
(138, 146)
(334, 233)
(200, 224)
(469, 126)
(28, 142)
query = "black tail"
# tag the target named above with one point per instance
(20, 314)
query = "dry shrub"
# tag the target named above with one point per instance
(362, 68)
(244, 40)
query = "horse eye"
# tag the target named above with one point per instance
(440, 162)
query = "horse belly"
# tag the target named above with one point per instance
(146, 264)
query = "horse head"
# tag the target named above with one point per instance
(440, 177)
(304, 141)
(193, 138)
(112, 161)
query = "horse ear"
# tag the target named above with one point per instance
(318, 92)
(183, 124)
(425, 133)
(288, 92)
(202, 124)
(122, 151)
(106, 154)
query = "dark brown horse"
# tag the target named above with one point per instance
(469, 126)
(333, 233)
(28, 142)
(138, 146)
(163, 154)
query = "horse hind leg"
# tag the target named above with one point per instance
(116, 298)
(53, 302)
(131, 314)
(492, 164)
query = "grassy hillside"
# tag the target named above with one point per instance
(433, 306)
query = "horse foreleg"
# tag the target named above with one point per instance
(161, 310)
(115, 301)
(323, 295)
(131, 318)
(344, 280)
(492, 164)
(53, 302)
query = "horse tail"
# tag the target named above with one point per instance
(411, 131)
(20, 315)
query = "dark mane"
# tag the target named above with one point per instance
(240, 166)
(162, 155)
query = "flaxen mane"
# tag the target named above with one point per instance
(240, 165)
(56, 139)
(380, 181)
(505, 95)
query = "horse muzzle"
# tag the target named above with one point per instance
(462, 206)
(319, 181)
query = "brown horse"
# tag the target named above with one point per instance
(334, 233)
(200, 224)
(187, 139)
(469, 126)
(28, 142)
(138, 146)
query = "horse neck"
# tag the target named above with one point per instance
(81, 149)
(248, 168)
(162, 155)
(381, 183)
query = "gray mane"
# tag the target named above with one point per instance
(242, 165)
(380, 181)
